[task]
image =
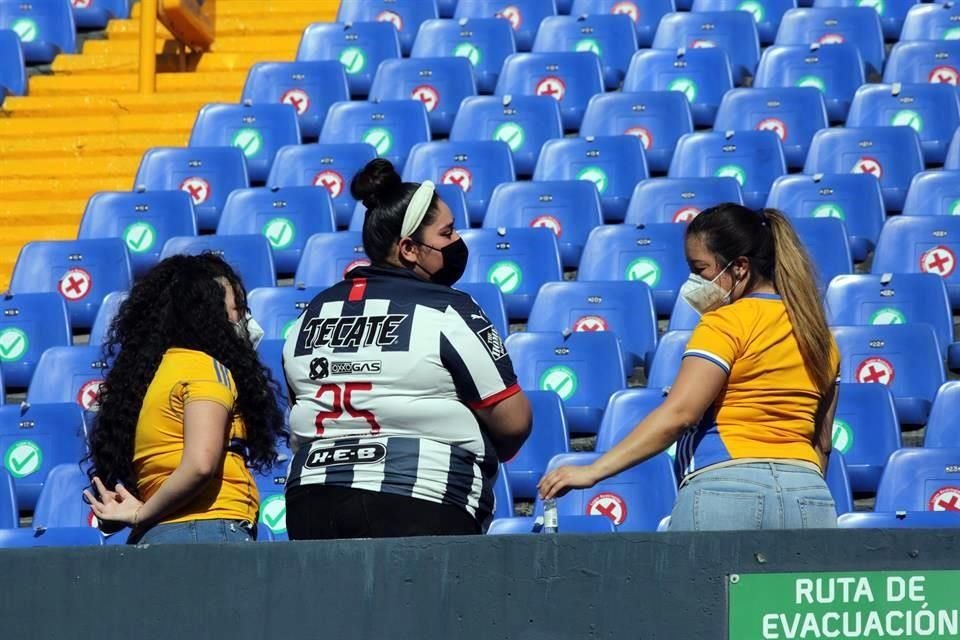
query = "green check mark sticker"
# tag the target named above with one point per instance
(732, 171)
(140, 237)
(27, 29)
(644, 270)
(469, 51)
(755, 8)
(829, 210)
(907, 118)
(280, 232)
(955, 208)
(506, 274)
(887, 315)
(842, 436)
(287, 328)
(952, 34)
(872, 4)
(273, 513)
(511, 133)
(380, 139)
(13, 344)
(250, 141)
(561, 380)
(23, 458)
(588, 45)
(686, 86)
(813, 81)
(597, 176)
(353, 60)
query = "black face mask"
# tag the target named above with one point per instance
(455, 257)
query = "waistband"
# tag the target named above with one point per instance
(784, 464)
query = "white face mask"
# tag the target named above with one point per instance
(250, 329)
(705, 295)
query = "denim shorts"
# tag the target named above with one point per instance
(199, 531)
(756, 495)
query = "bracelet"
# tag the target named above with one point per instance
(136, 516)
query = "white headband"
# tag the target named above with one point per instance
(417, 209)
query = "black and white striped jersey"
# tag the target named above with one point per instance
(383, 371)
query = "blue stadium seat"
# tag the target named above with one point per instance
(548, 437)
(624, 411)
(937, 62)
(920, 480)
(683, 317)
(61, 503)
(934, 193)
(891, 12)
(360, 47)
(440, 84)
(97, 13)
(793, 113)
(46, 29)
(502, 495)
(257, 130)
(839, 483)
(932, 110)
(69, 374)
(865, 432)
(855, 199)
(569, 208)
(611, 37)
(524, 123)
(208, 175)
(836, 70)
(524, 16)
(249, 255)
(277, 308)
(734, 32)
(476, 167)
(856, 26)
(953, 153)
(489, 298)
(485, 42)
(753, 158)
(24, 538)
(286, 217)
(82, 271)
(452, 196)
(892, 298)
(518, 261)
(565, 524)
(328, 256)
(679, 199)
(270, 351)
(936, 21)
(309, 87)
(614, 164)
(143, 220)
(891, 154)
(651, 253)
(273, 514)
(30, 323)
(900, 519)
(658, 118)
(35, 438)
(906, 358)
(9, 511)
(667, 359)
(636, 499)
(105, 315)
(392, 128)
(625, 308)
(702, 75)
(825, 240)
(766, 13)
(331, 166)
(582, 368)
(645, 14)
(942, 430)
(405, 15)
(13, 73)
(921, 244)
(571, 78)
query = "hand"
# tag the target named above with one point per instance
(114, 506)
(561, 480)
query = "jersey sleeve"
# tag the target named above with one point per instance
(472, 351)
(202, 377)
(717, 338)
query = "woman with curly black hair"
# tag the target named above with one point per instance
(185, 409)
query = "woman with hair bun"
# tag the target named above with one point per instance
(185, 411)
(404, 398)
(752, 407)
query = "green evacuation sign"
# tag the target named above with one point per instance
(872, 604)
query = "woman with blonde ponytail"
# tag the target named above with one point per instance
(751, 409)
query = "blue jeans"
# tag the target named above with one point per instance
(202, 531)
(759, 495)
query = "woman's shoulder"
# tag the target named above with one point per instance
(193, 362)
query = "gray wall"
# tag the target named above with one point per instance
(668, 586)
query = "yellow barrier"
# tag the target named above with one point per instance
(190, 21)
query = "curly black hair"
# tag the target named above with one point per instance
(178, 303)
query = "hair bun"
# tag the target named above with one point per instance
(376, 183)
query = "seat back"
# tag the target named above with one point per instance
(624, 411)
(392, 127)
(920, 480)
(57, 537)
(502, 495)
(278, 308)
(611, 37)
(931, 22)
(488, 297)
(839, 483)
(941, 431)
(921, 244)
(825, 240)
(936, 62)
(667, 359)
(13, 72)
(328, 256)
(30, 323)
(679, 199)
(9, 511)
(735, 32)
(524, 16)
(485, 42)
(857, 26)
(97, 13)
(105, 315)
(865, 432)
(359, 46)
(69, 374)
(548, 437)
(645, 14)
(766, 13)
(45, 29)
(900, 520)
(249, 255)
(405, 15)
(61, 503)
(934, 193)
